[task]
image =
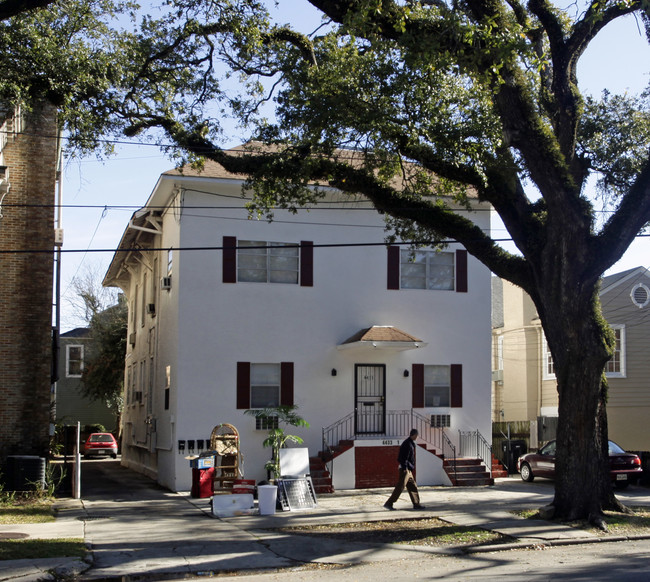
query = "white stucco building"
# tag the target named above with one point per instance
(228, 313)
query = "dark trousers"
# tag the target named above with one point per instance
(407, 480)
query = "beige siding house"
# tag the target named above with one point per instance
(523, 377)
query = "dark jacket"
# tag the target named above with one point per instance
(406, 456)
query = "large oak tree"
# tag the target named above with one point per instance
(412, 103)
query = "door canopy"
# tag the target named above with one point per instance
(382, 337)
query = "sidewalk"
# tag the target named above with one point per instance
(154, 532)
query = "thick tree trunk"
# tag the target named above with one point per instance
(581, 343)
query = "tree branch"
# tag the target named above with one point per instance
(10, 8)
(621, 229)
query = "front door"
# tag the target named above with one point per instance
(370, 396)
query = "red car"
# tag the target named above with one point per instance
(100, 443)
(625, 468)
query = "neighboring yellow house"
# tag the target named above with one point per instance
(523, 377)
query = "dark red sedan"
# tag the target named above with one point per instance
(625, 468)
(100, 443)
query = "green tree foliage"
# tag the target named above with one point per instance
(103, 375)
(414, 104)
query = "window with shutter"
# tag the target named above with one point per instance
(264, 385)
(427, 269)
(437, 386)
(250, 261)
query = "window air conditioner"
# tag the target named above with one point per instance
(151, 308)
(440, 420)
(166, 283)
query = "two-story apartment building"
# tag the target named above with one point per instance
(524, 384)
(313, 309)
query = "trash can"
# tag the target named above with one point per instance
(267, 496)
(512, 450)
(25, 473)
(202, 477)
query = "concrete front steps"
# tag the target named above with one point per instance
(498, 469)
(320, 476)
(468, 473)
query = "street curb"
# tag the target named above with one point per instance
(555, 543)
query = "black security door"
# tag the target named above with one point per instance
(370, 398)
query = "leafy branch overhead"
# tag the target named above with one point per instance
(481, 95)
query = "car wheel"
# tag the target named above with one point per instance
(526, 473)
(621, 484)
(114, 455)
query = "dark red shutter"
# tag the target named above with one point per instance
(393, 267)
(243, 385)
(417, 385)
(286, 383)
(461, 271)
(306, 263)
(229, 259)
(456, 385)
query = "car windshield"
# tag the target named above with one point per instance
(614, 449)
(101, 438)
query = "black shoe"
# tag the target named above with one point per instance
(389, 505)
(419, 506)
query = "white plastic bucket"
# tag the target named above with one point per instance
(267, 496)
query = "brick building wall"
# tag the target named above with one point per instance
(375, 466)
(27, 224)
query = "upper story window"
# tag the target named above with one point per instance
(427, 269)
(263, 262)
(74, 361)
(548, 372)
(615, 367)
(267, 262)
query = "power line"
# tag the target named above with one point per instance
(220, 248)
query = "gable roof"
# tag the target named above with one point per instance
(612, 281)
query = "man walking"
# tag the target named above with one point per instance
(406, 460)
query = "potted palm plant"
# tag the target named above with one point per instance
(274, 418)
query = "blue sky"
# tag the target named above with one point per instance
(619, 59)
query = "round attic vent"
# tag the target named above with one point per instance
(640, 295)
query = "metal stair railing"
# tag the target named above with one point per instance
(398, 424)
(472, 444)
(447, 445)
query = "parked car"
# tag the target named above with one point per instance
(100, 443)
(625, 468)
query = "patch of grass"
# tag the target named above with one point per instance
(26, 511)
(427, 531)
(34, 549)
(634, 523)
(526, 513)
